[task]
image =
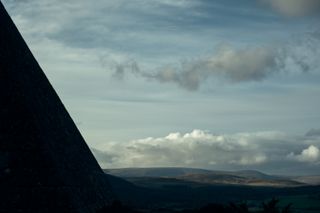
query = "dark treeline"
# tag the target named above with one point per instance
(266, 207)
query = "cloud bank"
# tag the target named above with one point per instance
(93, 27)
(234, 65)
(267, 151)
(250, 64)
(313, 133)
(294, 8)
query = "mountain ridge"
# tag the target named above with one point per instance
(204, 176)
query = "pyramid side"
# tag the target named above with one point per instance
(45, 164)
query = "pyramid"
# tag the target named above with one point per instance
(45, 164)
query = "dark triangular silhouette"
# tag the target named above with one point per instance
(45, 164)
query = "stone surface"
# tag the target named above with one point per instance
(45, 164)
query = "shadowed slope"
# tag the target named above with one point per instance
(45, 164)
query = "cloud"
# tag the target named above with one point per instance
(177, 3)
(310, 154)
(144, 31)
(121, 68)
(313, 132)
(248, 64)
(105, 155)
(267, 151)
(294, 8)
(234, 65)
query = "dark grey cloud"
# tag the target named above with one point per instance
(294, 8)
(266, 151)
(138, 25)
(313, 132)
(120, 69)
(235, 65)
(248, 64)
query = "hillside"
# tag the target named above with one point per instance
(202, 176)
(155, 172)
(191, 190)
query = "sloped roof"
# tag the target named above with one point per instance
(45, 164)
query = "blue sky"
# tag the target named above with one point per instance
(132, 73)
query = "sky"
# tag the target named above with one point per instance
(223, 85)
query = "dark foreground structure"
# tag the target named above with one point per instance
(45, 164)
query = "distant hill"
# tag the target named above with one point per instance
(214, 178)
(177, 188)
(202, 176)
(256, 174)
(155, 172)
(310, 180)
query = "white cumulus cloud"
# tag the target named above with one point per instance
(310, 154)
(267, 151)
